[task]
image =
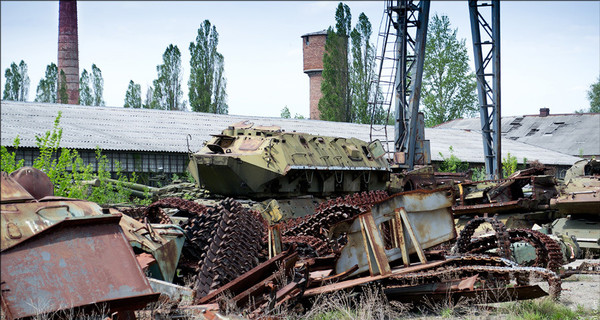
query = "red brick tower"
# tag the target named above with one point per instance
(68, 49)
(313, 49)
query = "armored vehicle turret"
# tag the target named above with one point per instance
(261, 162)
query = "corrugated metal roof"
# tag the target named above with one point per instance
(113, 128)
(572, 134)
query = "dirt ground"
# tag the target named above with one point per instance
(580, 289)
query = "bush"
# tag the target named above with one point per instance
(452, 163)
(67, 171)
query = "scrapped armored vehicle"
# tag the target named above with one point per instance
(61, 253)
(262, 162)
(579, 205)
(297, 170)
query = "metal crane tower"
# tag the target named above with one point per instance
(400, 74)
(488, 83)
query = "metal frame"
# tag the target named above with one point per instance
(489, 95)
(411, 18)
(400, 76)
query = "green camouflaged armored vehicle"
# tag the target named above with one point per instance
(257, 162)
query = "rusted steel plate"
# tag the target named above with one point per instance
(164, 242)
(520, 205)
(360, 281)
(12, 191)
(73, 264)
(429, 215)
(27, 219)
(487, 295)
(35, 181)
(250, 278)
(578, 202)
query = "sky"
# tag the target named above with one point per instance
(550, 50)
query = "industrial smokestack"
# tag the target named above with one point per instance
(68, 50)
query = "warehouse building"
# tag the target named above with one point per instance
(155, 141)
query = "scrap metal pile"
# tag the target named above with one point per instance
(224, 252)
(350, 242)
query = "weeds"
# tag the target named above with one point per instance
(546, 308)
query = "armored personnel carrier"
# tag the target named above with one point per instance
(261, 162)
(285, 174)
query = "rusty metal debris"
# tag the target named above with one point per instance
(406, 243)
(60, 254)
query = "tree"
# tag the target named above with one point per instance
(594, 96)
(207, 82)
(91, 87)
(448, 90)
(16, 87)
(336, 104)
(167, 88)
(133, 96)
(98, 86)
(362, 73)
(285, 113)
(150, 102)
(86, 97)
(48, 86)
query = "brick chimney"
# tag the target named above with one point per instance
(544, 112)
(313, 49)
(68, 49)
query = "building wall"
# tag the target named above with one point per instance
(315, 79)
(313, 49)
(148, 163)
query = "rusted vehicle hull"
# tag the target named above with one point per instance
(79, 263)
(61, 254)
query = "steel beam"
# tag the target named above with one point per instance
(488, 83)
(411, 26)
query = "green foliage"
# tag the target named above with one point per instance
(63, 96)
(91, 87)
(479, 174)
(9, 162)
(97, 85)
(448, 84)
(594, 96)
(48, 86)
(349, 72)
(362, 74)
(285, 113)
(207, 83)
(509, 165)
(16, 87)
(452, 163)
(85, 91)
(66, 170)
(150, 102)
(133, 96)
(167, 87)
(546, 309)
(336, 102)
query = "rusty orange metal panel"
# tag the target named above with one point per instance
(76, 263)
(11, 191)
